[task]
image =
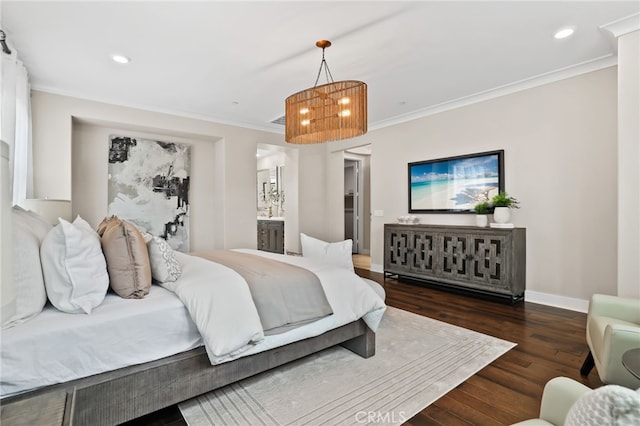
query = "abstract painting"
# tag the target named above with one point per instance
(149, 186)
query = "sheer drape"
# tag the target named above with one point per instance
(15, 124)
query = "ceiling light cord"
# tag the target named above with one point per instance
(3, 38)
(324, 44)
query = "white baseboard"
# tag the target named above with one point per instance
(377, 268)
(564, 302)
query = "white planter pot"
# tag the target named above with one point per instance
(482, 220)
(501, 214)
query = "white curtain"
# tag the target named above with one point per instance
(15, 124)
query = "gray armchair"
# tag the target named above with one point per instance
(613, 327)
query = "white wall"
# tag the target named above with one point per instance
(291, 201)
(223, 199)
(312, 191)
(560, 162)
(629, 165)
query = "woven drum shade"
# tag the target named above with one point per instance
(333, 111)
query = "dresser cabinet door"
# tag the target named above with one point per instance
(410, 250)
(488, 257)
(453, 251)
(397, 249)
(422, 257)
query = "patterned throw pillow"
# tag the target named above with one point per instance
(164, 265)
(606, 405)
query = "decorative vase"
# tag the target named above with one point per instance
(501, 215)
(482, 220)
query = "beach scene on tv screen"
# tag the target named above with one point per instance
(456, 184)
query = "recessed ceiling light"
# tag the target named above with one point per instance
(121, 59)
(564, 32)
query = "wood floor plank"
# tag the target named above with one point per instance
(441, 416)
(511, 400)
(466, 395)
(456, 408)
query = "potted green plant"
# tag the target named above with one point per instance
(501, 203)
(502, 199)
(483, 208)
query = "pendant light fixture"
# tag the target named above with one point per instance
(330, 112)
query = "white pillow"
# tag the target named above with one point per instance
(75, 270)
(606, 405)
(338, 254)
(164, 265)
(36, 223)
(29, 229)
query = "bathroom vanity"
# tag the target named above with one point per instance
(271, 234)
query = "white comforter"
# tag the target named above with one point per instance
(220, 304)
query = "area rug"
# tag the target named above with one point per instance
(417, 361)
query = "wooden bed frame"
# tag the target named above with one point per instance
(121, 395)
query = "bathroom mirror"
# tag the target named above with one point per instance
(264, 188)
(270, 191)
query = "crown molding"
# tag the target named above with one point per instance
(518, 86)
(265, 128)
(623, 26)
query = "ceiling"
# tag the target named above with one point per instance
(236, 62)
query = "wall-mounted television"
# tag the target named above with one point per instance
(455, 184)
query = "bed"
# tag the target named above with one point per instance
(131, 357)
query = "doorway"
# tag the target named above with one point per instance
(351, 203)
(277, 191)
(356, 201)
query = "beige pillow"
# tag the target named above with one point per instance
(127, 258)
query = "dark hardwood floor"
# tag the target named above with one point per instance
(550, 343)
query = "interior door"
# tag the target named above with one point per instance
(352, 202)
